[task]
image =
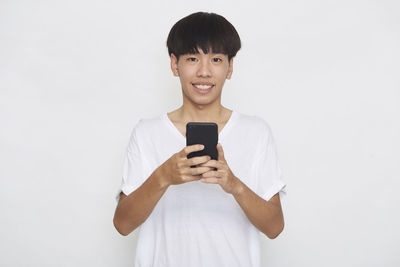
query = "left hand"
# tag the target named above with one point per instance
(223, 175)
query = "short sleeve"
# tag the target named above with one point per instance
(268, 171)
(133, 171)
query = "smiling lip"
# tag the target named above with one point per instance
(203, 83)
(203, 88)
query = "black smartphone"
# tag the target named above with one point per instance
(205, 133)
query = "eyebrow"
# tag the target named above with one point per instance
(219, 54)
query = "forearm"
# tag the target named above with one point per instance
(134, 209)
(266, 216)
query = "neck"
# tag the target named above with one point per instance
(212, 114)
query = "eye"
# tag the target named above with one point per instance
(191, 59)
(216, 59)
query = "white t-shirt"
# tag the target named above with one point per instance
(197, 224)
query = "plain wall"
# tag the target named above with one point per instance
(76, 76)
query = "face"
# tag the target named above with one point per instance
(202, 75)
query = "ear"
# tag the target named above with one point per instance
(174, 65)
(230, 69)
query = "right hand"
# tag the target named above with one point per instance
(177, 170)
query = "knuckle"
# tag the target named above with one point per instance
(193, 171)
(177, 165)
(194, 161)
(200, 170)
(205, 169)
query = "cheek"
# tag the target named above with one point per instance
(184, 79)
(185, 75)
(223, 71)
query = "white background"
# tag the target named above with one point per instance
(76, 76)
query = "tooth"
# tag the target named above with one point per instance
(203, 87)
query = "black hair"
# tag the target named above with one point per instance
(207, 31)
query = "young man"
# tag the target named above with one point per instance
(190, 217)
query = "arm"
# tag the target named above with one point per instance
(134, 209)
(267, 216)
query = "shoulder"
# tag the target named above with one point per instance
(147, 129)
(146, 125)
(255, 123)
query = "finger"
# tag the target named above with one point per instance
(199, 171)
(197, 160)
(213, 163)
(221, 155)
(215, 174)
(210, 180)
(190, 178)
(192, 148)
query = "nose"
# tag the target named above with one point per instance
(204, 69)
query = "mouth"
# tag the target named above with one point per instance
(202, 88)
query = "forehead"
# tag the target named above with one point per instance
(209, 52)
